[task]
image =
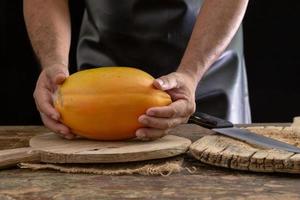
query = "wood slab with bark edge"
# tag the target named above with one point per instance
(222, 151)
(51, 148)
(205, 181)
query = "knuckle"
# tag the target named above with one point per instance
(173, 112)
(34, 95)
(50, 126)
(169, 124)
(175, 74)
(167, 80)
(191, 108)
(158, 134)
(145, 131)
(178, 77)
(161, 125)
(47, 122)
(151, 122)
(185, 120)
(165, 132)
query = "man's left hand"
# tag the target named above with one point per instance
(158, 120)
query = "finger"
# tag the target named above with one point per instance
(176, 109)
(44, 103)
(166, 82)
(162, 111)
(179, 93)
(60, 78)
(160, 123)
(150, 133)
(57, 127)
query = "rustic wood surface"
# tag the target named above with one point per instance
(205, 182)
(226, 152)
(54, 149)
(18, 136)
(51, 148)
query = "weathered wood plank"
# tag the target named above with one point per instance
(12, 157)
(18, 136)
(206, 182)
(226, 152)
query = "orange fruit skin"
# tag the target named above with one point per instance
(105, 103)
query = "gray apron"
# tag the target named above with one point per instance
(152, 35)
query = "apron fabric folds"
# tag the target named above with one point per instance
(152, 35)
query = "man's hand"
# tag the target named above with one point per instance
(47, 83)
(49, 30)
(158, 120)
(215, 27)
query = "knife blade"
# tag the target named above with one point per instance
(225, 127)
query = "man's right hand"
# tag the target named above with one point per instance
(48, 81)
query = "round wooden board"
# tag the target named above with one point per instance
(226, 152)
(54, 149)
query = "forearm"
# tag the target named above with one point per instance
(215, 26)
(49, 30)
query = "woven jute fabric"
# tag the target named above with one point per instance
(162, 167)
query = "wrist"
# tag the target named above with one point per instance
(53, 69)
(195, 74)
(48, 65)
(189, 79)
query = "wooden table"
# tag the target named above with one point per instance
(206, 183)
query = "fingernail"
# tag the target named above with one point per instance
(150, 112)
(55, 117)
(140, 135)
(142, 120)
(161, 83)
(68, 136)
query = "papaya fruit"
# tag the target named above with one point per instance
(104, 103)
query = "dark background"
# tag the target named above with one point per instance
(271, 48)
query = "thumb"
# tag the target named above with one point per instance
(58, 74)
(166, 82)
(60, 78)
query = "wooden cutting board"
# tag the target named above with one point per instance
(219, 150)
(51, 148)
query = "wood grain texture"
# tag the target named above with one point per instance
(226, 152)
(59, 150)
(51, 148)
(205, 182)
(11, 157)
(18, 136)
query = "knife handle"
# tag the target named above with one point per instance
(209, 121)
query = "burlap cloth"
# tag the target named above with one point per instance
(163, 167)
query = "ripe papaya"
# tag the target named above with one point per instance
(104, 103)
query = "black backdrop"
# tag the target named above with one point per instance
(271, 51)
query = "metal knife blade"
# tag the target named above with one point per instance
(225, 127)
(256, 139)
